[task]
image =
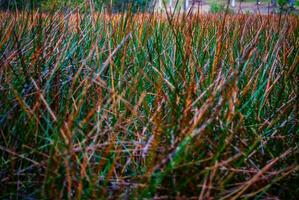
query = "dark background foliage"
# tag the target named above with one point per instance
(22, 4)
(117, 5)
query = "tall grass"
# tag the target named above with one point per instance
(94, 105)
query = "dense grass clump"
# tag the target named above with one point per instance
(127, 106)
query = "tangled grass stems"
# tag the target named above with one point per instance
(95, 105)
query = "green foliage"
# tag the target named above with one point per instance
(282, 3)
(217, 8)
(134, 5)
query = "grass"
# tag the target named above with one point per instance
(97, 106)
